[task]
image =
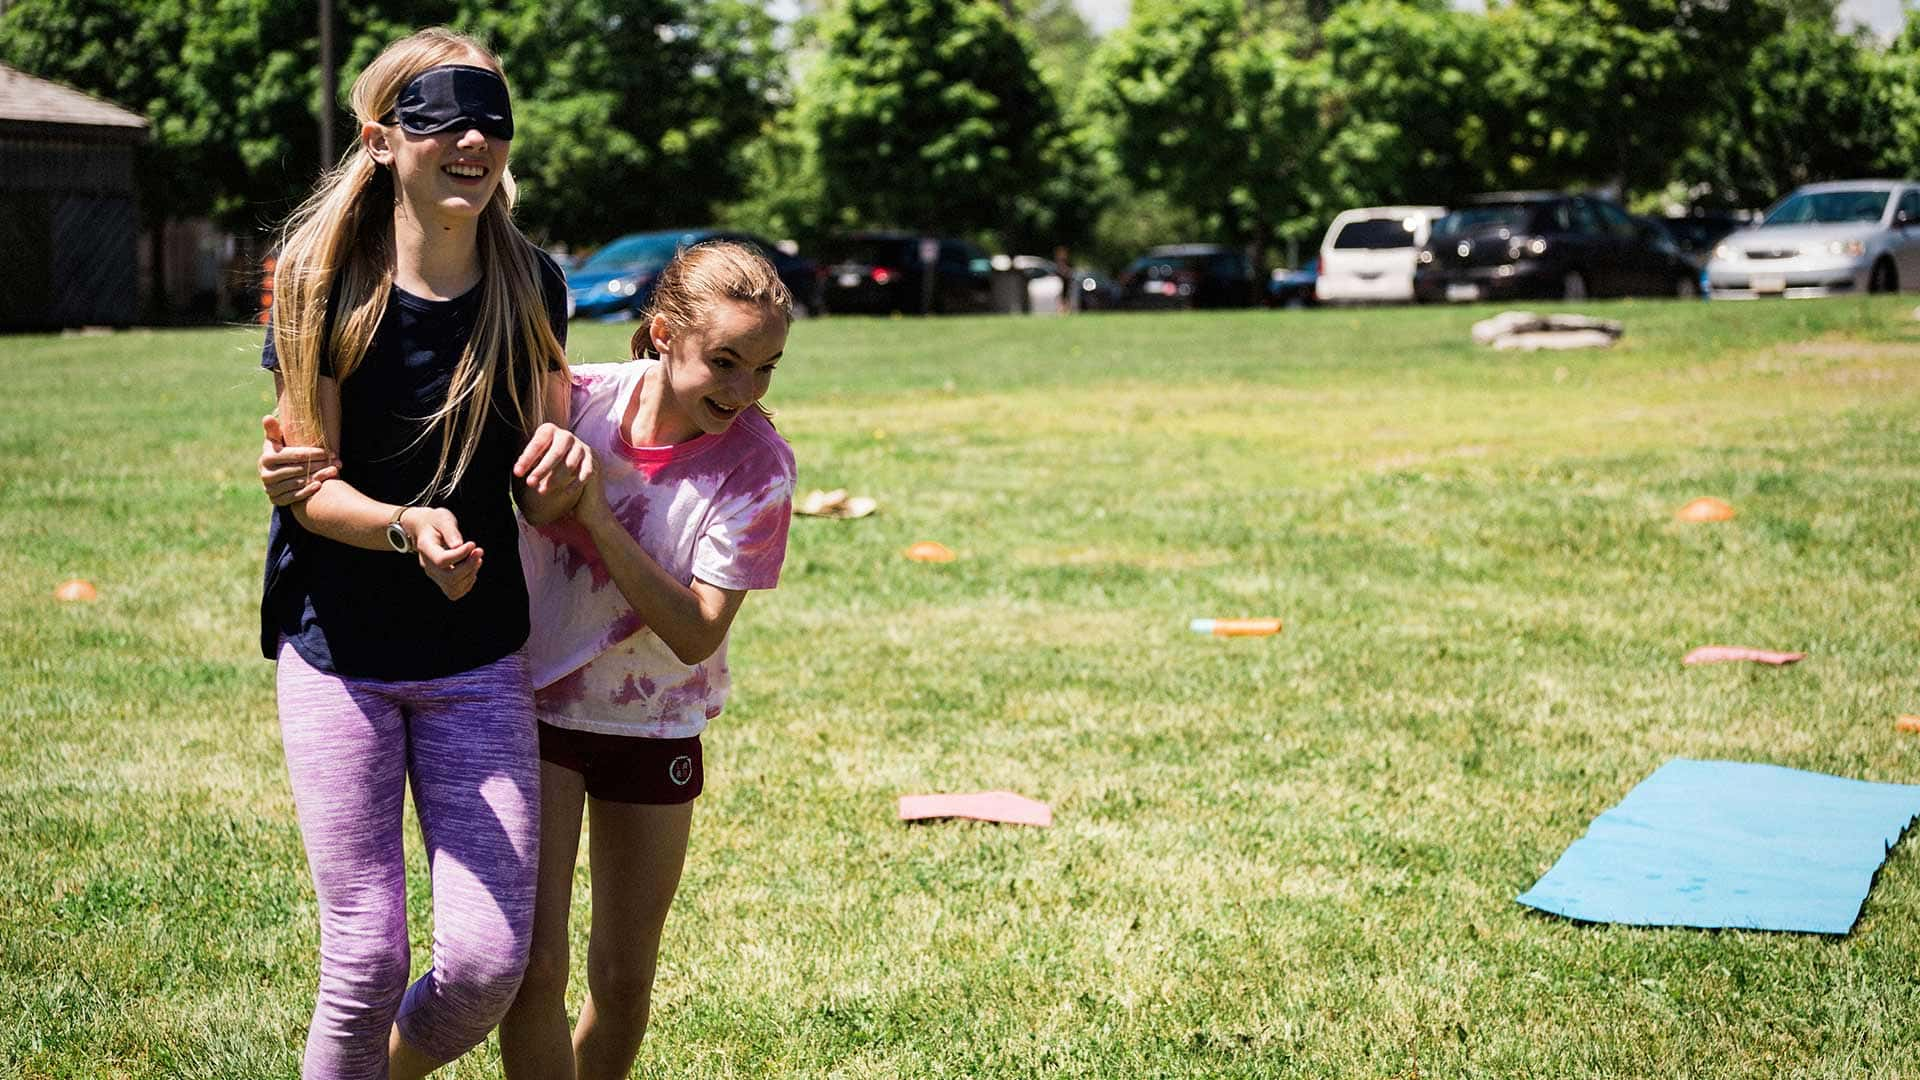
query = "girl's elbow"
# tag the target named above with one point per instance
(694, 651)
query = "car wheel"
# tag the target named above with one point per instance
(1573, 286)
(1884, 278)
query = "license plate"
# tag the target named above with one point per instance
(1463, 293)
(1773, 284)
(848, 281)
(1160, 288)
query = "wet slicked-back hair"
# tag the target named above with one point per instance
(703, 276)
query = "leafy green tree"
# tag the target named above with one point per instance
(1202, 103)
(229, 99)
(1408, 114)
(1063, 43)
(1610, 91)
(1896, 79)
(929, 114)
(1804, 109)
(636, 111)
(632, 112)
(784, 196)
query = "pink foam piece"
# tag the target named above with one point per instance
(1003, 806)
(1721, 654)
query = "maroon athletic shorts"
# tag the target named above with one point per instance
(626, 769)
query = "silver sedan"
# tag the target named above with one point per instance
(1852, 236)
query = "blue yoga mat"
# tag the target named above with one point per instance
(1731, 844)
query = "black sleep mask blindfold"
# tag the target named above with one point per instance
(455, 96)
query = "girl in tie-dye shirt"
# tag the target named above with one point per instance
(683, 508)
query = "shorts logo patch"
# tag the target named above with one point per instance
(681, 770)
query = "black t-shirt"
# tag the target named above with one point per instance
(376, 614)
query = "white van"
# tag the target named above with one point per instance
(1368, 254)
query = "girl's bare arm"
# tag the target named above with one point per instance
(692, 619)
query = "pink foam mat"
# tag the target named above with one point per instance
(1722, 654)
(1001, 806)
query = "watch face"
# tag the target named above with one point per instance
(398, 539)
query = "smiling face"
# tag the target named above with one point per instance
(718, 369)
(450, 174)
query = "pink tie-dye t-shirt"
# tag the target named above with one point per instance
(714, 508)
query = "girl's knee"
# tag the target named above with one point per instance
(621, 984)
(483, 981)
(546, 973)
(364, 977)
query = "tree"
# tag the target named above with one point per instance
(631, 112)
(1608, 91)
(1202, 104)
(1803, 109)
(636, 111)
(929, 114)
(1063, 43)
(228, 98)
(1408, 113)
(1896, 79)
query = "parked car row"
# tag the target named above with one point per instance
(1857, 236)
(1547, 245)
(1823, 239)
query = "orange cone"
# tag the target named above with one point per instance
(930, 551)
(76, 591)
(1706, 508)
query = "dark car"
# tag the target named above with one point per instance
(618, 280)
(879, 273)
(1549, 246)
(1697, 234)
(1294, 288)
(1189, 276)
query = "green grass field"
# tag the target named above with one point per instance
(1280, 857)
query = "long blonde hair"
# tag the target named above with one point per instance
(335, 275)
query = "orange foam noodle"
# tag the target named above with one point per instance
(1908, 723)
(74, 591)
(1235, 627)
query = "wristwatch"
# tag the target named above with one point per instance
(397, 536)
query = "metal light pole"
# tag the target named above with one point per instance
(329, 89)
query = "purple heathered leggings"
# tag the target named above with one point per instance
(469, 745)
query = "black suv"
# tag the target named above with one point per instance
(1549, 246)
(881, 272)
(1188, 276)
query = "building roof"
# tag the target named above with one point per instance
(28, 100)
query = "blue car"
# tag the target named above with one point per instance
(617, 281)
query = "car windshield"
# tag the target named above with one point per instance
(1830, 207)
(653, 251)
(1698, 234)
(1491, 216)
(1373, 234)
(1161, 265)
